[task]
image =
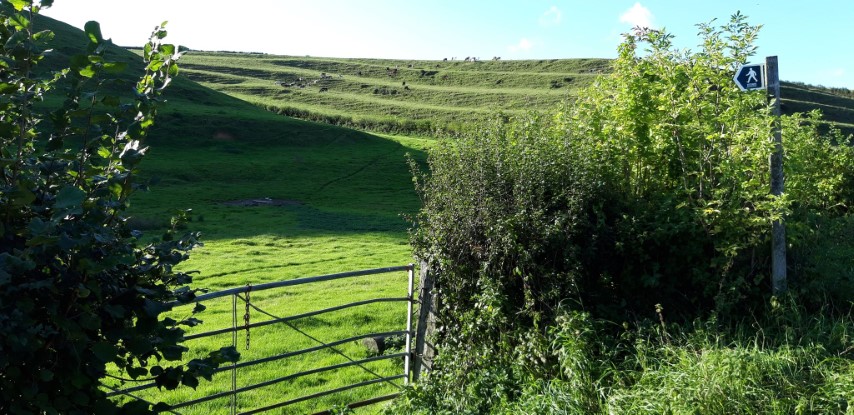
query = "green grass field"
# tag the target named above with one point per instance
(342, 195)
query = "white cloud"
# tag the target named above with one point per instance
(638, 15)
(523, 45)
(551, 17)
(838, 72)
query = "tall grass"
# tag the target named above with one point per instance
(794, 362)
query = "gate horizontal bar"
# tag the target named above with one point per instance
(284, 378)
(295, 317)
(366, 402)
(299, 281)
(324, 393)
(267, 359)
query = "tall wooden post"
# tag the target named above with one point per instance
(426, 328)
(778, 227)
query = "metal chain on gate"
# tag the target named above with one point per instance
(246, 315)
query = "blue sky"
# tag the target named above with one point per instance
(813, 39)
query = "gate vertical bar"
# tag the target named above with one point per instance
(234, 364)
(408, 358)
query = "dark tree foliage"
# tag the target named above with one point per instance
(78, 288)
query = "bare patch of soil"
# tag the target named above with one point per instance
(262, 201)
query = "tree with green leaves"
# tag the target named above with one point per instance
(79, 289)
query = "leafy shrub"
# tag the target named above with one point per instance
(651, 188)
(78, 288)
(649, 192)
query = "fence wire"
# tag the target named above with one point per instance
(321, 342)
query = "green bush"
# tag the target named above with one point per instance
(79, 290)
(651, 188)
(646, 197)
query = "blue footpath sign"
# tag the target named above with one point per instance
(750, 77)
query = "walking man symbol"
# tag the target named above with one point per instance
(751, 74)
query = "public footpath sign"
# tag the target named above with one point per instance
(749, 77)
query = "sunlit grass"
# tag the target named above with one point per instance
(344, 195)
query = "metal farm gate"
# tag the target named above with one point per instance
(241, 298)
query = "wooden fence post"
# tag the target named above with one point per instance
(778, 227)
(426, 328)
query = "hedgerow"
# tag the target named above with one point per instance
(647, 198)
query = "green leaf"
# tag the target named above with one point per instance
(135, 372)
(169, 379)
(93, 32)
(229, 354)
(104, 152)
(105, 352)
(8, 88)
(102, 47)
(69, 197)
(191, 322)
(20, 4)
(87, 72)
(136, 408)
(89, 321)
(45, 375)
(78, 61)
(19, 21)
(190, 380)
(115, 67)
(155, 65)
(44, 36)
(22, 197)
(173, 352)
(154, 308)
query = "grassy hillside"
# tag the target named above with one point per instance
(429, 96)
(392, 95)
(341, 195)
(837, 105)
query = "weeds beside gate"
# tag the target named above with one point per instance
(241, 299)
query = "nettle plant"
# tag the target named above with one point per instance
(79, 289)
